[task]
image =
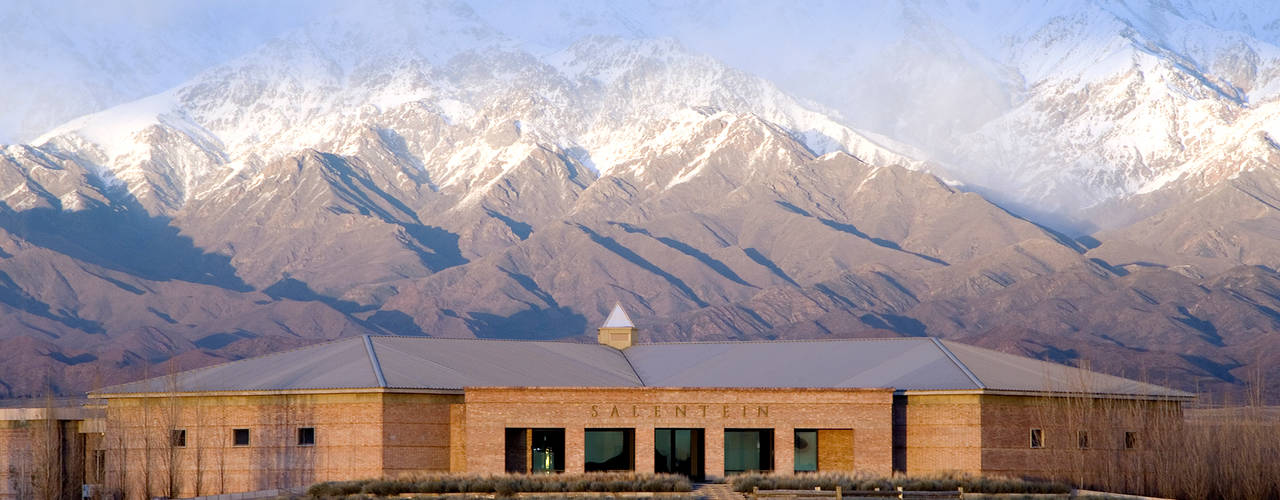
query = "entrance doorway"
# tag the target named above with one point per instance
(540, 451)
(678, 451)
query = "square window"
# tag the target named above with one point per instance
(1082, 439)
(240, 437)
(306, 436)
(1130, 440)
(179, 438)
(609, 450)
(1037, 438)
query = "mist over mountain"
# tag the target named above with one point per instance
(1086, 183)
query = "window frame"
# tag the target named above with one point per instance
(235, 435)
(1130, 440)
(178, 438)
(1082, 439)
(1036, 438)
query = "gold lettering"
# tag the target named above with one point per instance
(635, 411)
(762, 411)
(725, 411)
(744, 411)
(594, 411)
(680, 411)
(614, 413)
(657, 411)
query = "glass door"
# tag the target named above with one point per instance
(678, 451)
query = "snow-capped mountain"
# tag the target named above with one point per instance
(417, 168)
(606, 100)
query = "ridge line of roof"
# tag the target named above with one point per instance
(950, 355)
(373, 360)
(633, 368)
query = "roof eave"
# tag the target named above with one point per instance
(275, 392)
(1183, 397)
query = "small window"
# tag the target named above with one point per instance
(1130, 440)
(306, 436)
(240, 437)
(179, 438)
(1082, 439)
(1037, 438)
(99, 466)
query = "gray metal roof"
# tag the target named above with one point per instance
(907, 364)
(910, 364)
(1008, 372)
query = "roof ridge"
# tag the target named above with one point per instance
(373, 360)
(224, 363)
(961, 366)
(640, 379)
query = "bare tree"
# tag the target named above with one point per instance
(46, 449)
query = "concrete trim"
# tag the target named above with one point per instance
(358, 390)
(993, 392)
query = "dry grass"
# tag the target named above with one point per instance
(855, 481)
(504, 485)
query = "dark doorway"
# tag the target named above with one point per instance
(678, 451)
(540, 451)
(517, 447)
(609, 450)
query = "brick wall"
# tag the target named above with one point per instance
(1103, 461)
(938, 433)
(865, 412)
(15, 460)
(356, 435)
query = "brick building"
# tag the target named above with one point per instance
(374, 406)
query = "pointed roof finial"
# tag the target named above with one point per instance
(618, 318)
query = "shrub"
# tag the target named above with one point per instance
(505, 485)
(854, 482)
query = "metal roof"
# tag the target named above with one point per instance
(1008, 372)
(906, 364)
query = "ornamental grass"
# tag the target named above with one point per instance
(504, 485)
(866, 482)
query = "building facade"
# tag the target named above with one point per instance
(384, 406)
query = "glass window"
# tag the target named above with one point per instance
(240, 437)
(306, 436)
(678, 451)
(1082, 439)
(1130, 440)
(609, 449)
(806, 450)
(1037, 438)
(547, 450)
(748, 450)
(179, 438)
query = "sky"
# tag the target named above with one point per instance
(63, 58)
(919, 71)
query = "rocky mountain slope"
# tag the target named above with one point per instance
(367, 174)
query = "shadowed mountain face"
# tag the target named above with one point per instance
(735, 230)
(303, 193)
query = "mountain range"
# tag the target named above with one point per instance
(421, 168)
